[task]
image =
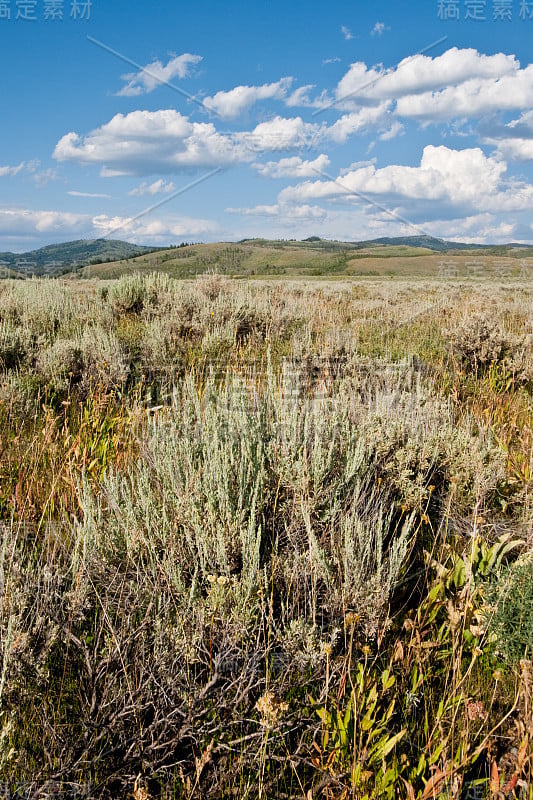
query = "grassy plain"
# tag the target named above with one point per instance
(268, 538)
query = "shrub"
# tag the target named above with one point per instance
(519, 362)
(162, 349)
(212, 285)
(61, 364)
(19, 393)
(13, 346)
(477, 343)
(105, 364)
(127, 295)
(43, 306)
(92, 359)
(161, 293)
(509, 603)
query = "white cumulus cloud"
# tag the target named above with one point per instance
(281, 133)
(294, 167)
(232, 103)
(460, 179)
(363, 120)
(515, 139)
(27, 225)
(148, 142)
(157, 74)
(288, 214)
(152, 229)
(29, 222)
(157, 187)
(422, 75)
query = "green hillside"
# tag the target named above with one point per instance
(314, 257)
(421, 256)
(63, 257)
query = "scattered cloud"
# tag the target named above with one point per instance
(25, 224)
(280, 133)
(395, 130)
(152, 229)
(346, 33)
(464, 180)
(293, 167)
(513, 140)
(472, 229)
(145, 143)
(157, 187)
(157, 74)
(378, 29)
(229, 105)
(357, 165)
(74, 193)
(516, 149)
(28, 222)
(368, 118)
(300, 97)
(473, 98)
(463, 91)
(287, 214)
(420, 79)
(334, 60)
(43, 177)
(10, 171)
(151, 142)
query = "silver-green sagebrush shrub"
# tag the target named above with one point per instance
(14, 345)
(478, 342)
(91, 359)
(105, 363)
(230, 480)
(42, 306)
(197, 492)
(61, 364)
(162, 348)
(127, 295)
(255, 547)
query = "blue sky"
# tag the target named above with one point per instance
(161, 123)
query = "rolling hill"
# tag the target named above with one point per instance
(58, 258)
(415, 256)
(314, 257)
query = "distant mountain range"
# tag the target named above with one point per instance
(427, 242)
(57, 258)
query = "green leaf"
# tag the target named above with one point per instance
(383, 748)
(421, 768)
(348, 712)
(387, 680)
(436, 754)
(414, 678)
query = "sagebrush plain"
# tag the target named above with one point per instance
(267, 539)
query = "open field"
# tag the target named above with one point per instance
(269, 538)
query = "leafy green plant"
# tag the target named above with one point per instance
(127, 296)
(509, 611)
(358, 738)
